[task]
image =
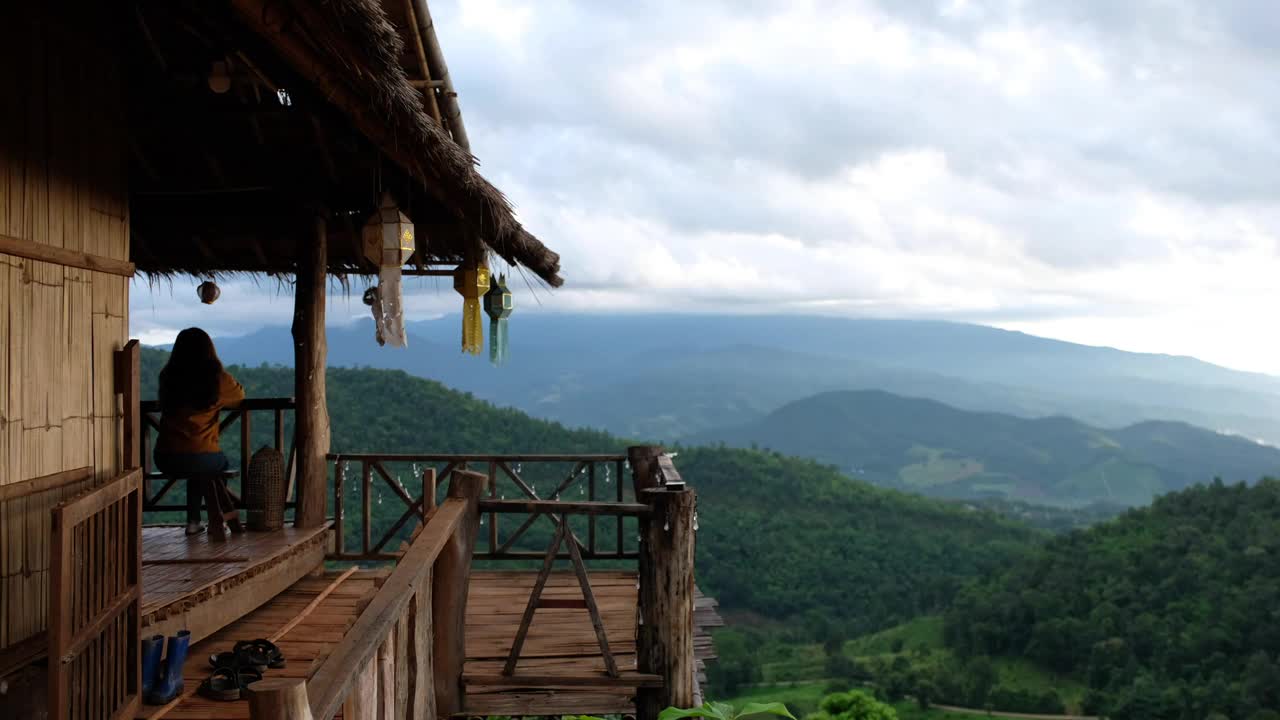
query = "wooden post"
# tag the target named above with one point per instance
(643, 459)
(279, 699)
(449, 584)
(310, 352)
(129, 384)
(664, 631)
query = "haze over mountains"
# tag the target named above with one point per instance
(664, 377)
(927, 447)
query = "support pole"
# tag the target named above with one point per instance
(450, 582)
(310, 352)
(664, 631)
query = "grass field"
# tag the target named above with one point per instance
(805, 697)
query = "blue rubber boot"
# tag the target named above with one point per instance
(151, 649)
(169, 685)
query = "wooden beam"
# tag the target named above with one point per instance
(567, 508)
(61, 256)
(450, 580)
(426, 85)
(448, 98)
(44, 483)
(310, 352)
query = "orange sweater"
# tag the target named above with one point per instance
(196, 431)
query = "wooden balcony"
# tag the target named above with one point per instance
(445, 630)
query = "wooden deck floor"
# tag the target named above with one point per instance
(560, 642)
(190, 581)
(303, 646)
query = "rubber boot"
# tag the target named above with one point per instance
(151, 649)
(169, 685)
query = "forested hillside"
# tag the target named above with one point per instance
(779, 537)
(931, 448)
(1167, 612)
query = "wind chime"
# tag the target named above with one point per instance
(471, 280)
(388, 242)
(497, 303)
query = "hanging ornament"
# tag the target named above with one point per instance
(472, 282)
(497, 303)
(387, 239)
(373, 299)
(208, 292)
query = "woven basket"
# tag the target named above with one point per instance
(264, 490)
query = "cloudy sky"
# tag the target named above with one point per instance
(1102, 171)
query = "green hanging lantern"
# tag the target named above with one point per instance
(497, 303)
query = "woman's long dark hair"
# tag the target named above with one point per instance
(193, 374)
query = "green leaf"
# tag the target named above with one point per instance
(773, 708)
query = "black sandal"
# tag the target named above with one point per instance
(243, 656)
(267, 649)
(223, 684)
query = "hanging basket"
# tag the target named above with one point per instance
(264, 490)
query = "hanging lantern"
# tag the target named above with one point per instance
(388, 242)
(208, 292)
(497, 303)
(471, 282)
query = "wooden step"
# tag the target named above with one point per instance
(626, 679)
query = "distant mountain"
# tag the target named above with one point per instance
(938, 450)
(666, 376)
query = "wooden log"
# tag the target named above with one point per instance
(13, 491)
(450, 581)
(279, 699)
(310, 352)
(665, 632)
(362, 702)
(644, 468)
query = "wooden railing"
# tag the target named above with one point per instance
(589, 486)
(403, 658)
(242, 415)
(659, 511)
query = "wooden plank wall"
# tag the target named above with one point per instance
(62, 183)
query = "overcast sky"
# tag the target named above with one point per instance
(1100, 171)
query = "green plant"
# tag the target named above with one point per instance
(725, 711)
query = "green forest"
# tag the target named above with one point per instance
(1166, 612)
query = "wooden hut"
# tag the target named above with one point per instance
(163, 137)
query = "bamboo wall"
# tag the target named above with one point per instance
(62, 183)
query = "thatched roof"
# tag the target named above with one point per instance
(330, 101)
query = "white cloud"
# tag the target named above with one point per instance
(1097, 171)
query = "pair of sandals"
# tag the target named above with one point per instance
(236, 669)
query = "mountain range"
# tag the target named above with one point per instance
(663, 377)
(934, 449)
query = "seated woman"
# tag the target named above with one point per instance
(193, 389)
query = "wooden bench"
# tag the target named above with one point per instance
(152, 502)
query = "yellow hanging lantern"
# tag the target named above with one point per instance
(471, 282)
